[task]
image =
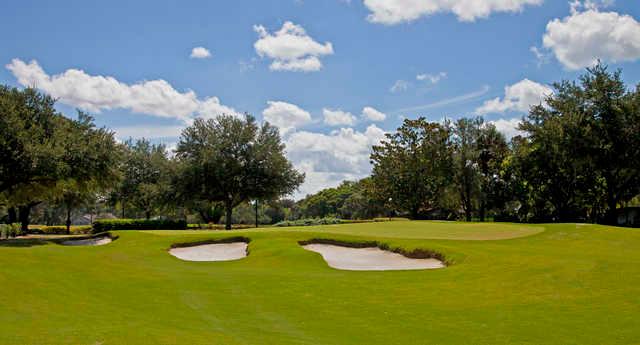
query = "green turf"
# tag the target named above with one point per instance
(567, 284)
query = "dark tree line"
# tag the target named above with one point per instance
(45, 156)
(50, 161)
(578, 160)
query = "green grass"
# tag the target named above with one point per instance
(559, 284)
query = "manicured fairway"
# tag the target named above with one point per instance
(559, 284)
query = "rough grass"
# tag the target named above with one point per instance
(569, 284)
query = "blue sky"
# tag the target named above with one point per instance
(310, 67)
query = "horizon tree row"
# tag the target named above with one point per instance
(578, 160)
(47, 159)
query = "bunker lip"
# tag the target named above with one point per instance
(373, 256)
(226, 249)
(92, 240)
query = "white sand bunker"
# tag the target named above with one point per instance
(212, 252)
(369, 259)
(97, 241)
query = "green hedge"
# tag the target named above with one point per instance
(102, 225)
(331, 220)
(211, 226)
(10, 230)
(61, 229)
(310, 222)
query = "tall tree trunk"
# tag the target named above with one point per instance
(68, 220)
(122, 208)
(466, 205)
(256, 213)
(482, 209)
(147, 214)
(12, 215)
(414, 212)
(229, 212)
(611, 217)
(205, 218)
(23, 214)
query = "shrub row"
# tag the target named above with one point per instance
(310, 222)
(61, 229)
(331, 220)
(102, 225)
(10, 230)
(390, 219)
(211, 226)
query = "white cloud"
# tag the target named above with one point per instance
(373, 114)
(328, 159)
(291, 48)
(432, 78)
(148, 131)
(285, 116)
(508, 127)
(582, 38)
(76, 88)
(399, 85)
(541, 56)
(390, 12)
(200, 53)
(447, 101)
(338, 117)
(517, 97)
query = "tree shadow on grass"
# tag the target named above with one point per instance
(23, 242)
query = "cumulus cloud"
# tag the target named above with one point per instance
(148, 131)
(76, 88)
(391, 12)
(373, 114)
(431, 78)
(200, 53)
(517, 97)
(328, 159)
(285, 116)
(399, 85)
(291, 49)
(338, 117)
(580, 39)
(508, 127)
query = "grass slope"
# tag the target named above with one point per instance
(570, 284)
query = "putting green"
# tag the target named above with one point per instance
(568, 284)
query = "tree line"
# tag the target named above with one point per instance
(70, 164)
(577, 159)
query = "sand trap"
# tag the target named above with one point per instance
(211, 252)
(369, 259)
(98, 241)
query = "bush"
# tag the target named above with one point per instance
(390, 219)
(10, 230)
(102, 225)
(310, 222)
(212, 226)
(61, 229)
(331, 220)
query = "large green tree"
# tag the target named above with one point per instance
(492, 151)
(583, 146)
(466, 155)
(97, 170)
(40, 148)
(412, 166)
(146, 177)
(231, 160)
